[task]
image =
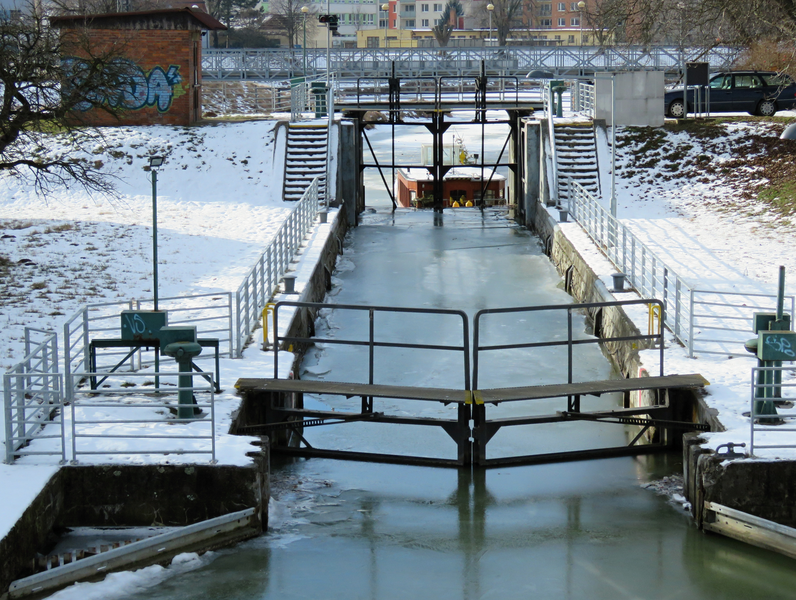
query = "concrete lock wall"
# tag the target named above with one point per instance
(638, 98)
(132, 496)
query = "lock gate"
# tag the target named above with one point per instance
(276, 405)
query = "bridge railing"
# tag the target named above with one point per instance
(276, 63)
(705, 321)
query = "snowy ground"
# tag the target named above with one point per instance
(219, 204)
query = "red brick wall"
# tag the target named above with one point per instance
(161, 90)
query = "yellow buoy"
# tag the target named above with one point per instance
(455, 205)
(469, 204)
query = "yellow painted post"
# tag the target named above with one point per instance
(269, 308)
(654, 312)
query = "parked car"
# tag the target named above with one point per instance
(756, 92)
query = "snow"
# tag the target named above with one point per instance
(219, 204)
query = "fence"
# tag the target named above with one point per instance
(682, 302)
(260, 282)
(770, 427)
(101, 426)
(584, 98)
(33, 399)
(212, 313)
(236, 97)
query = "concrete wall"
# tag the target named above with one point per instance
(638, 97)
(132, 496)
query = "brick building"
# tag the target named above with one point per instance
(159, 53)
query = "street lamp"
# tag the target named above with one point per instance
(154, 163)
(581, 7)
(386, 8)
(489, 8)
(305, 10)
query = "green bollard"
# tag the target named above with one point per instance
(183, 353)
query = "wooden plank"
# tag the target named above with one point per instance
(495, 395)
(591, 388)
(351, 389)
(749, 529)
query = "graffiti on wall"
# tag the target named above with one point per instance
(136, 89)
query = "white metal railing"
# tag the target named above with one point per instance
(768, 385)
(693, 315)
(299, 100)
(211, 313)
(722, 321)
(547, 98)
(124, 419)
(584, 98)
(32, 399)
(261, 281)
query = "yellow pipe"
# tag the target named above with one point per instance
(269, 308)
(654, 312)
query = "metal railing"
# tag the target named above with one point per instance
(370, 342)
(771, 427)
(722, 321)
(585, 99)
(653, 278)
(572, 340)
(33, 400)
(276, 63)
(237, 97)
(101, 425)
(261, 281)
(211, 313)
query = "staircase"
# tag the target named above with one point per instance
(576, 155)
(305, 160)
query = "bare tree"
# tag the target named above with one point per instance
(291, 18)
(507, 15)
(43, 92)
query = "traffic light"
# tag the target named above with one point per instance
(333, 24)
(324, 18)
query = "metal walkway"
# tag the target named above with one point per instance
(275, 407)
(283, 63)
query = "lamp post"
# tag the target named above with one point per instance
(304, 11)
(154, 163)
(386, 8)
(489, 8)
(581, 8)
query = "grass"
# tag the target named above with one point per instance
(781, 197)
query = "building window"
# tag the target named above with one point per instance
(545, 23)
(562, 7)
(410, 8)
(382, 23)
(424, 8)
(575, 22)
(424, 23)
(373, 42)
(409, 23)
(545, 10)
(571, 39)
(562, 22)
(437, 7)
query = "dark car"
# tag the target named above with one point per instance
(756, 92)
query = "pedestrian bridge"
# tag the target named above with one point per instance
(518, 61)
